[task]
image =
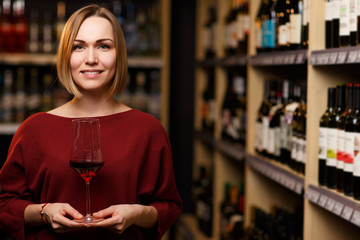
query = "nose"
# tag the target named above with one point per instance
(91, 57)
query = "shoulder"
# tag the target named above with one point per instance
(35, 122)
(146, 121)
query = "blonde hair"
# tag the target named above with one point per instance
(67, 42)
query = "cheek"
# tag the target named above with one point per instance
(109, 61)
(75, 61)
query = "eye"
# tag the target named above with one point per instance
(104, 46)
(77, 47)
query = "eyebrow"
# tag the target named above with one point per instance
(97, 41)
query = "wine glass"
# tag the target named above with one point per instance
(86, 158)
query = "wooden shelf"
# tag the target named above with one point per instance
(338, 204)
(50, 59)
(278, 173)
(335, 56)
(231, 61)
(297, 57)
(8, 128)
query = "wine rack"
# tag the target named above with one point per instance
(327, 214)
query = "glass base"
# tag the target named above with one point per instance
(89, 219)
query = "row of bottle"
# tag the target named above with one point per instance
(339, 141)
(25, 91)
(143, 91)
(232, 212)
(278, 225)
(233, 112)
(282, 25)
(203, 197)
(342, 23)
(39, 32)
(280, 132)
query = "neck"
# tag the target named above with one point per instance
(90, 107)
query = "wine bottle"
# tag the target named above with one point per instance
(208, 108)
(33, 101)
(356, 169)
(323, 135)
(34, 32)
(349, 144)
(332, 136)
(60, 21)
(328, 23)
(20, 26)
(341, 138)
(274, 127)
(262, 114)
(265, 21)
(258, 27)
(8, 97)
(301, 134)
(335, 26)
(282, 20)
(295, 24)
(7, 28)
(208, 34)
(294, 139)
(266, 119)
(20, 95)
(344, 23)
(231, 41)
(283, 126)
(353, 22)
(305, 26)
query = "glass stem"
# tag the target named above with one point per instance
(88, 209)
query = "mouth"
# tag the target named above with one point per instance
(91, 73)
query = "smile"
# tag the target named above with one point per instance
(91, 73)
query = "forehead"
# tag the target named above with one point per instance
(94, 28)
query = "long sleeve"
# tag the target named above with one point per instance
(14, 194)
(159, 173)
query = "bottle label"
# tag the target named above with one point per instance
(322, 142)
(348, 167)
(328, 11)
(336, 9)
(357, 7)
(305, 12)
(344, 18)
(272, 137)
(300, 149)
(356, 165)
(295, 28)
(240, 27)
(340, 145)
(283, 35)
(258, 136)
(349, 147)
(265, 131)
(283, 131)
(331, 147)
(353, 16)
(294, 147)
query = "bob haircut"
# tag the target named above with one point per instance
(66, 44)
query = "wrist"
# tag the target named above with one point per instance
(42, 213)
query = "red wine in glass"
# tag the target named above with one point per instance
(86, 158)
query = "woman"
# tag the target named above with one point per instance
(134, 192)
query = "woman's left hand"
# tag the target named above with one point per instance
(117, 218)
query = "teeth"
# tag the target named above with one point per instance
(91, 72)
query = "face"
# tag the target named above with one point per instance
(93, 57)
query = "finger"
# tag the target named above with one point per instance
(104, 213)
(73, 212)
(64, 221)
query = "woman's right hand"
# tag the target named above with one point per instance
(60, 216)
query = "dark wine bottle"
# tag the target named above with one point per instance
(332, 137)
(208, 104)
(328, 23)
(335, 26)
(301, 131)
(344, 23)
(341, 138)
(282, 19)
(305, 27)
(349, 144)
(283, 126)
(323, 135)
(274, 127)
(356, 167)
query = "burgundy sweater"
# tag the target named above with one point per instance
(137, 169)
